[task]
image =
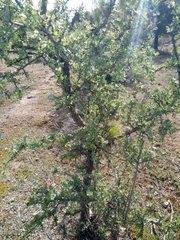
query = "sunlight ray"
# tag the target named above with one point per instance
(138, 26)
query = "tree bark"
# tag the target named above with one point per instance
(156, 40)
(68, 90)
(76, 117)
(89, 166)
(85, 228)
(43, 7)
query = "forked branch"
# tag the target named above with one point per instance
(110, 9)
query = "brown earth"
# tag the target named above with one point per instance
(34, 115)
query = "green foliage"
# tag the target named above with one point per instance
(24, 143)
(164, 17)
(47, 198)
(113, 131)
(104, 65)
(51, 202)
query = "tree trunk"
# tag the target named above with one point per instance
(86, 227)
(43, 7)
(76, 117)
(156, 40)
(89, 165)
(68, 90)
(85, 231)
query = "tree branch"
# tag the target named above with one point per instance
(66, 84)
(44, 29)
(75, 116)
(43, 7)
(98, 28)
(18, 24)
(28, 63)
(18, 3)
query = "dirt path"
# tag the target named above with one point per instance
(32, 115)
(32, 111)
(34, 105)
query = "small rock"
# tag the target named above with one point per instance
(165, 204)
(156, 193)
(11, 200)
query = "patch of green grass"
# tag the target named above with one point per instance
(146, 234)
(4, 186)
(4, 153)
(23, 173)
(3, 100)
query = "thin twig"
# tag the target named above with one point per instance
(172, 211)
(132, 189)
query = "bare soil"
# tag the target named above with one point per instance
(34, 115)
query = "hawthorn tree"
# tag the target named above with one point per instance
(105, 71)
